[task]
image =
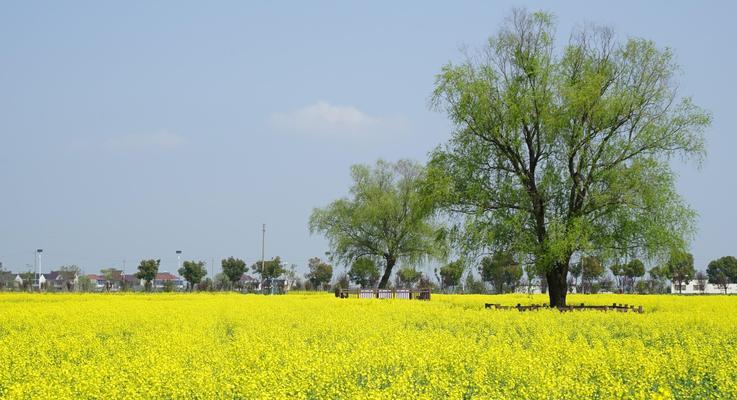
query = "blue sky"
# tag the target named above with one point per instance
(131, 130)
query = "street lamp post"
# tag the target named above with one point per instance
(38, 268)
(263, 247)
(179, 260)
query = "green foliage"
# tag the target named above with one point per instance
(626, 274)
(28, 277)
(407, 277)
(591, 270)
(502, 271)
(85, 285)
(680, 268)
(560, 153)
(364, 272)
(147, 271)
(233, 269)
(384, 218)
(193, 272)
(167, 286)
(634, 269)
(473, 286)
(270, 269)
(450, 274)
(320, 273)
(112, 274)
(223, 282)
(342, 282)
(722, 270)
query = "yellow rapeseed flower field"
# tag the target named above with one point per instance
(202, 346)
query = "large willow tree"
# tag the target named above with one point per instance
(560, 152)
(385, 218)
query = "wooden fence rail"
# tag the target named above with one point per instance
(581, 307)
(408, 294)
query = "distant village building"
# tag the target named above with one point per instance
(702, 287)
(58, 280)
(115, 281)
(249, 283)
(164, 278)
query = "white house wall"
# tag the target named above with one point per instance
(692, 288)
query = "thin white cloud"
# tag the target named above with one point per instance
(144, 141)
(323, 118)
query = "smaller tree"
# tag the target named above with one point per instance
(502, 271)
(473, 286)
(451, 273)
(69, 273)
(193, 272)
(680, 269)
(342, 281)
(147, 271)
(233, 269)
(722, 271)
(222, 282)
(657, 279)
(721, 281)
(320, 273)
(407, 277)
(111, 275)
(618, 273)
(85, 285)
(364, 272)
(591, 270)
(269, 269)
(701, 280)
(631, 271)
(28, 279)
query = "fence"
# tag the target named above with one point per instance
(407, 294)
(613, 307)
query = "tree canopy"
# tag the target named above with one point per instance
(722, 270)
(385, 218)
(450, 274)
(407, 277)
(680, 268)
(270, 269)
(364, 272)
(502, 271)
(561, 151)
(193, 272)
(147, 271)
(320, 272)
(233, 269)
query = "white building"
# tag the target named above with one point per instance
(694, 287)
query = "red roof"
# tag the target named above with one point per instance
(165, 276)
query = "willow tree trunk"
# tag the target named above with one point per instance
(557, 284)
(390, 261)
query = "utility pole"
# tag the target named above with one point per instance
(263, 252)
(38, 268)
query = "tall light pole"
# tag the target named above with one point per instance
(263, 251)
(38, 268)
(179, 260)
